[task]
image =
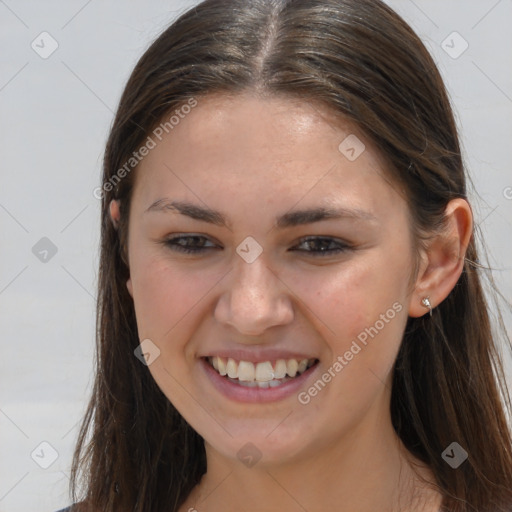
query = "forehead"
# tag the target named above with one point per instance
(258, 147)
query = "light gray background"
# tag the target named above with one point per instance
(55, 115)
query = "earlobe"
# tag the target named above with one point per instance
(115, 212)
(129, 286)
(444, 260)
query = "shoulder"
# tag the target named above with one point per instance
(80, 506)
(72, 508)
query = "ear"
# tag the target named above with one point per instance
(115, 216)
(115, 212)
(443, 260)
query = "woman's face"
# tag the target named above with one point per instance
(268, 285)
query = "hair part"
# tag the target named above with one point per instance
(367, 66)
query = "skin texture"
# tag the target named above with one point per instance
(255, 159)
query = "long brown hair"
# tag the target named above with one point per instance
(360, 59)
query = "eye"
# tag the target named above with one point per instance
(316, 245)
(190, 244)
(324, 246)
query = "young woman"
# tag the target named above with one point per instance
(290, 313)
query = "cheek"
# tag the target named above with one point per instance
(166, 296)
(359, 311)
(343, 301)
(169, 305)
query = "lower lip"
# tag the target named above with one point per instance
(256, 395)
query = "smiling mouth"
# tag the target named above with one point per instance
(264, 374)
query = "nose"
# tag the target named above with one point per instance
(254, 299)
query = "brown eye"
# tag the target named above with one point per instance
(190, 244)
(320, 246)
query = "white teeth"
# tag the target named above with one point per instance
(291, 367)
(280, 371)
(246, 371)
(261, 374)
(221, 364)
(251, 384)
(232, 368)
(264, 371)
(255, 383)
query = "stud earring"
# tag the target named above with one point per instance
(426, 302)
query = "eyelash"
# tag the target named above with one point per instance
(342, 246)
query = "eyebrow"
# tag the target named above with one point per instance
(287, 220)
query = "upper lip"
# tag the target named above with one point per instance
(257, 355)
